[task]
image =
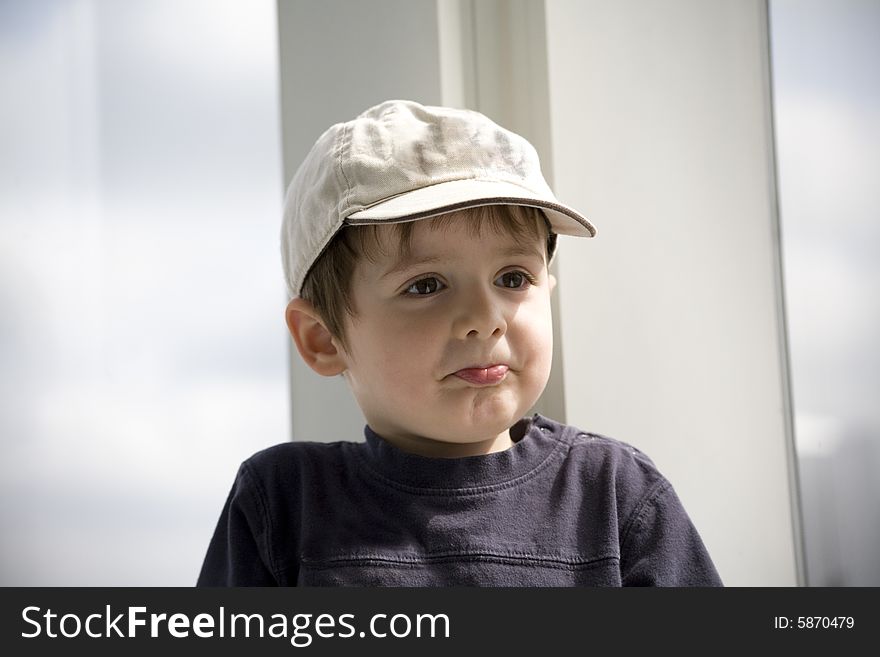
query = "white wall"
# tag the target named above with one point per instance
(671, 317)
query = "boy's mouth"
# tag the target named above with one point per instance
(483, 376)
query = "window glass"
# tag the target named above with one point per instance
(827, 110)
(142, 339)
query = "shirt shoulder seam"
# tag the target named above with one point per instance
(263, 509)
(659, 488)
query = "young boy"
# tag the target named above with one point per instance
(416, 244)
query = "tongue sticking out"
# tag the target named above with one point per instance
(483, 375)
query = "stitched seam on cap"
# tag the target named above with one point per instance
(334, 226)
(343, 144)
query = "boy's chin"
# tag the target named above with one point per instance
(492, 414)
(461, 420)
(475, 428)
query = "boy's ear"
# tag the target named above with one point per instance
(552, 279)
(314, 342)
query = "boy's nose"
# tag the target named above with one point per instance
(479, 316)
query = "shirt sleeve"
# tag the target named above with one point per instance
(238, 554)
(661, 547)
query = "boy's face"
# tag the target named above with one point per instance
(451, 346)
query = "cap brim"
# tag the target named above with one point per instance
(454, 195)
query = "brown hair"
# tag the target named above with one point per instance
(328, 284)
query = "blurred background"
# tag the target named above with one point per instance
(142, 331)
(827, 110)
(145, 148)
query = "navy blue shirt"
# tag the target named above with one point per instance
(561, 507)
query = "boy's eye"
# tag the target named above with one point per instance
(514, 280)
(425, 286)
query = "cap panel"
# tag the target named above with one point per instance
(400, 146)
(312, 207)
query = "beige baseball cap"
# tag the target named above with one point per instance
(401, 161)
